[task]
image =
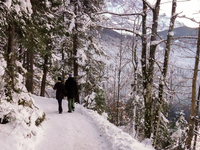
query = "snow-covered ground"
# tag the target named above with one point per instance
(81, 130)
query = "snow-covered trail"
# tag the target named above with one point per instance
(67, 131)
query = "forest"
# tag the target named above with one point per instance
(129, 60)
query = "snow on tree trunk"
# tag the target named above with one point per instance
(148, 73)
(164, 71)
(29, 65)
(10, 54)
(75, 63)
(193, 102)
(75, 48)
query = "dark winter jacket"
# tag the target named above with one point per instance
(71, 87)
(60, 90)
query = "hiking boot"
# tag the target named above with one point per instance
(73, 108)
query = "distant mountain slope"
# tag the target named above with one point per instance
(178, 32)
(110, 32)
(181, 31)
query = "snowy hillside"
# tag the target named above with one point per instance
(81, 130)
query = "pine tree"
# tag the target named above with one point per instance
(45, 22)
(179, 135)
(93, 71)
(83, 42)
(13, 24)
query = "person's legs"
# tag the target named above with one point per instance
(73, 104)
(69, 105)
(60, 106)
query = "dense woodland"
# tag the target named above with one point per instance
(130, 70)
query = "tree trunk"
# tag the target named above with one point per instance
(63, 68)
(75, 48)
(10, 55)
(31, 71)
(164, 71)
(29, 67)
(144, 48)
(135, 84)
(143, 61)
(45, 70)
(75, 44)
(192, 109)
(148, 77)
(119, 81)
(196, 121)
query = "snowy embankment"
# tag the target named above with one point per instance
(81, 130)
(118, 139)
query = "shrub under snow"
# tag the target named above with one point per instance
(20, 116)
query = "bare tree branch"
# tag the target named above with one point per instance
(191, 19)
(149, 5)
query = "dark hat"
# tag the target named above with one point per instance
(59, 78)
(70, 75)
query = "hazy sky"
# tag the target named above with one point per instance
(189, 8)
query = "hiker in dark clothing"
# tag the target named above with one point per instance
(60, 91)
(71, 88)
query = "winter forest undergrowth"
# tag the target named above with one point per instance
(133, 64)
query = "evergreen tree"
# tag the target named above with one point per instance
(45, 20)
(92, 73)
(84, 49)
(13, 19)
(179, 136)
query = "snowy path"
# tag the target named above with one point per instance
(67, 131)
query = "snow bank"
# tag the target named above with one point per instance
(19, 117)
(115, 136)
(21, 131)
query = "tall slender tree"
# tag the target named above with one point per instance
(148, 69)
(194, 97)
(165, 69)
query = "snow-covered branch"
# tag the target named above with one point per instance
(123, 29)
(185, 37)
(112, 13)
